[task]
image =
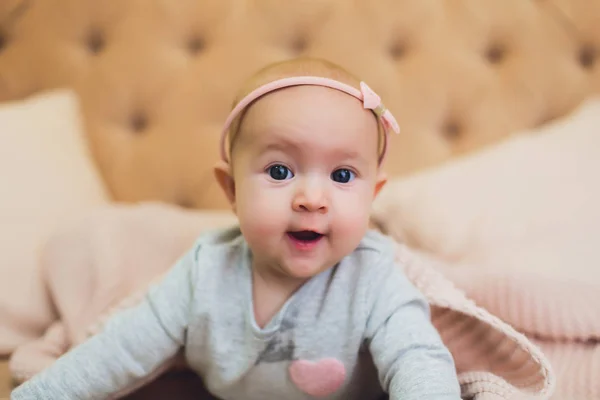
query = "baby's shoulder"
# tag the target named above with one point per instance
(374, 249)
(226, 237)
(372, 261)
(380, 273)
(216, 248)
(377, 258)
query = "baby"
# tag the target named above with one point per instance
(299, 301)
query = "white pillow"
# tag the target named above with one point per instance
(531, 203)
(47, 177)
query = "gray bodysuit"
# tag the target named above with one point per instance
(355, 331)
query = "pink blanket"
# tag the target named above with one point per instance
(106, 263)
(562, 317)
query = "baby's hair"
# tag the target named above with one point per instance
(286, 69)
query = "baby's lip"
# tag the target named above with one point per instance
(305, 234)
(318, 231)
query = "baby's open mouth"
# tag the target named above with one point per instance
(306, 236)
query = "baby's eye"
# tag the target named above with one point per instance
(342, 175)
(280, 172)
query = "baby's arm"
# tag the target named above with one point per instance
(133, 344)
(412, 361)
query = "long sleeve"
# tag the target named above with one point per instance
(412, 360)
(134, 343)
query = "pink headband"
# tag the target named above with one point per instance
(368, 97)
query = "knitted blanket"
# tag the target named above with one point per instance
(560, 316)
(106, 263)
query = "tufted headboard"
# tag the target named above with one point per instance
(156, 77)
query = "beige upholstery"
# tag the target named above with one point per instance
(156, 77)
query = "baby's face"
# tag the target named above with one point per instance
(306, 172)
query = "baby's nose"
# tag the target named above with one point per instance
(311, 197)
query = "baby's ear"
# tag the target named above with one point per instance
(224, 176)
(380, 183)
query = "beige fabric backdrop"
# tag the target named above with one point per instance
(156, 77)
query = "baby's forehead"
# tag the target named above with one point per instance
(309, 116)
(321, 105)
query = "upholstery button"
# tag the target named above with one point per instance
(9, 19)
(139, 122)
(95, 42)
(397, 50)
(299, 45)
(587, 56)
(495, 54)
(543, 119)
(3, 41)
(452, 130)
(195, 45)
(185, 202)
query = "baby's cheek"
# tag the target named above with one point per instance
(352, 214)
(261, 212)
(353, 223)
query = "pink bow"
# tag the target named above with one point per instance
(373, 102)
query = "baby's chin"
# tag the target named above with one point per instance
(306, 269)
(302, 274)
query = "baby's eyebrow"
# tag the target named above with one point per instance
(351, 155)
(280, 144)
(291, 147)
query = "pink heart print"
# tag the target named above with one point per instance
(320, 378)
